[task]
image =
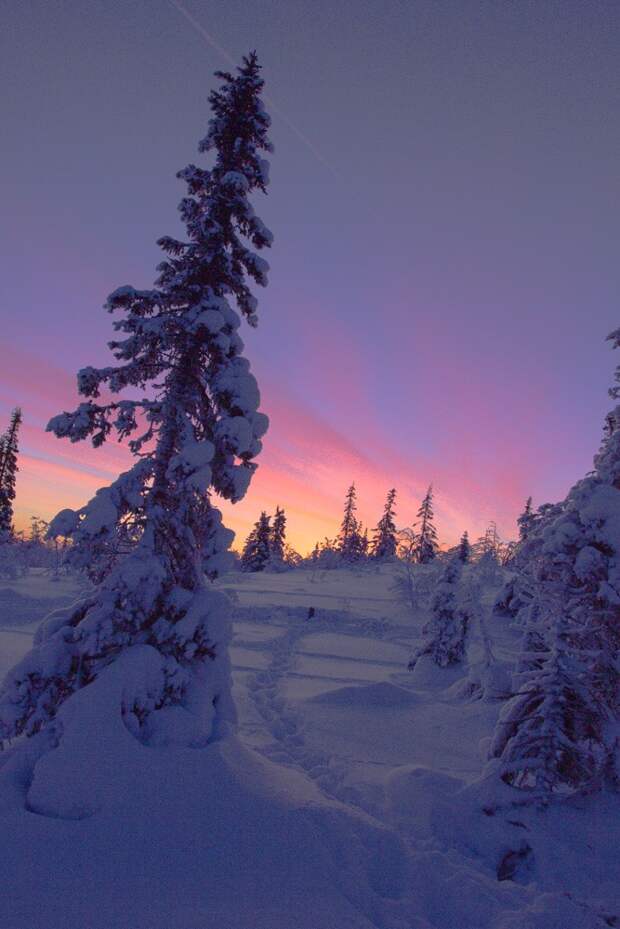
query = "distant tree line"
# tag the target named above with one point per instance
(265, 547)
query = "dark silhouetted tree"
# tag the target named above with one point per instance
(426, 540)
(8, 473)
(464, 549)
(278, 535)
(257, 549)
(349, 540)
(526, 520)
(385, 541)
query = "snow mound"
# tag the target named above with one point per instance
(381, 694)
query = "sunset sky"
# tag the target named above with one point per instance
(444, 201)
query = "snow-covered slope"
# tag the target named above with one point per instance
(350, 797)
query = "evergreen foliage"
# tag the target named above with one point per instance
(257, 549)
(464, 549)
(8, 473)
(559, 733)
(426, 541)
(278, 536)
(195, 429)
(351, 543)
(446, 630)
(526, 520)
(385, 541)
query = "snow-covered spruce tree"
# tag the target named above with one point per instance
(278, 536)
(559, 734)
(96, 547)
(257, 549)
(550, 737)
(195, 430)
(385, 542)
(8, 473)
(464, 549)
(515, 597)
(427, 534)
(446, 630)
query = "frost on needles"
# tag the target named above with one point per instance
(195, 430)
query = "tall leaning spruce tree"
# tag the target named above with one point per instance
(194, 431)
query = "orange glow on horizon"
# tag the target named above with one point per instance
(306, 466)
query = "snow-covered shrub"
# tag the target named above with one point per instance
(488, 569)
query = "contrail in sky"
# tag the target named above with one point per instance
(274, 107)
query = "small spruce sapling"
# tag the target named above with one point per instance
(446, 631)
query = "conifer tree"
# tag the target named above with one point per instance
(490, 543)
(257, 549)
(364, 542)
(278, 536)
(349, 537)
(559, 734)
(526, 520)
(464, 549)
(446, 630)
(196, 428)
(384, 542)
(551, 736)
(8, 473)
(426, 542)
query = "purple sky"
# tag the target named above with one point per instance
(445, 202)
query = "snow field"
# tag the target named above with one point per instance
(349, 799)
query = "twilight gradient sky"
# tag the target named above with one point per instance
(445, 202)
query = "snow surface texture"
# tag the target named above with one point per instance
(350, 797)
